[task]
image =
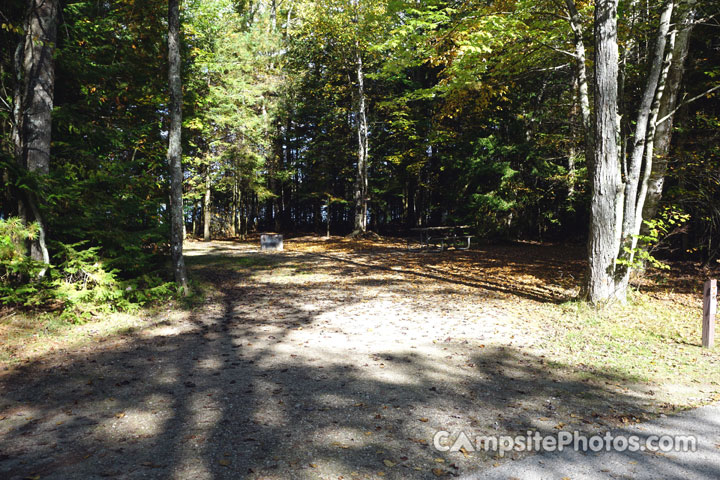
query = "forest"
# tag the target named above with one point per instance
(127, 127)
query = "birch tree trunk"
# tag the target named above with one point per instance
(174, 154)
(583, 96)
(650, 144)
(646, 117)
(328, 210)
(605, 172)
(630, 54)
(207, 207)
(361, 181)
(668, 102)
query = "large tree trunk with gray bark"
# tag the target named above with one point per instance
(174, 154)
(33, 108)
(616, 230)
(605, 171)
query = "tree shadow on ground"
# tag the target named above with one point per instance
(685, 278)
(677, 447)
(549, 283)
(232, 393)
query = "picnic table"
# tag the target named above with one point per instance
(444, 237)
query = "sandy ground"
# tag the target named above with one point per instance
(302, 365)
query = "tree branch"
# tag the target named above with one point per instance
(696, 97)
(559, 50)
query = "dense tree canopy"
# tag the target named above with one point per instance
(334, 116)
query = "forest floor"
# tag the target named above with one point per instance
(340, 359)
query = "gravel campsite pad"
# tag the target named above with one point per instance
(312, 363)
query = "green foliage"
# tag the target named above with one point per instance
(86, 287)
(17, 270)
(108, 184)
(233, 79)
(104, 200)
(656, 231)
(272, 99)
(14, 260)
(79, 282)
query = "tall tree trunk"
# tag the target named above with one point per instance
(644, 123)
(287, 221)
(279, 183)
(234, 208)
(18, 132)
(650, 145)
(361, 181)
(605, 172)
(572, 152)
(207, 207)
(38, 84)
(581, 69)
(243, 214)
(663, 131)
(33, 108)
(17, 126)
(254, 212)
(273, 15)
(406, 204)
(583, 97)
(174, 154)
(195, 218)
(328, 211)
(630, 53)
(296, 198)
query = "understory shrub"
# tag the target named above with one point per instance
(78, 283)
